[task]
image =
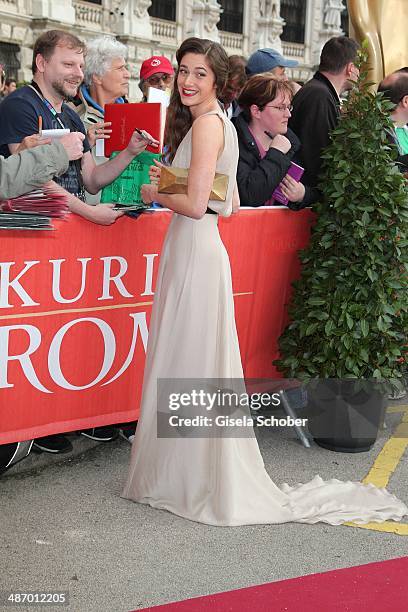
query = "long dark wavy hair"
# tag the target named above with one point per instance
(179, 119)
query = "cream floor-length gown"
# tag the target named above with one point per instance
(218, 480)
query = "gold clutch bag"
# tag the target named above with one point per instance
(174, 180)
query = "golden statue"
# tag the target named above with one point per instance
(384, 23)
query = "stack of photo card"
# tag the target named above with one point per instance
(24, 221)
(33, 210)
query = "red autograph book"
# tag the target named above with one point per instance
(147, 116)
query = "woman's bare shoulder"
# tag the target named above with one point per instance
(208, 135)
(208, 125)
(208, 119)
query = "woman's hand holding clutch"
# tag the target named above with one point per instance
(149, 193)
(154, 172)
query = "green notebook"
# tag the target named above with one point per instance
(125, 189)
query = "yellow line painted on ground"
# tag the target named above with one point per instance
(386, 462)
(387, 526)
(384, 466)
(397, 409)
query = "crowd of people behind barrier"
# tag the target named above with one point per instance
(277, 122)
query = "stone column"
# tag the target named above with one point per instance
(26, 58)
(56, 10)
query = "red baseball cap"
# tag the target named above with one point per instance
(156, 63)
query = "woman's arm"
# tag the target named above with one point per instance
(102, 214)
(207, 144)
(97, 176)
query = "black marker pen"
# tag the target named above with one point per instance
(143, 135)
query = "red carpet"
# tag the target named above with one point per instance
(376, 587)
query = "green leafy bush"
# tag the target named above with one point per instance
(349, 313)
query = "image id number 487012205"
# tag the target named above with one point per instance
(26, 598)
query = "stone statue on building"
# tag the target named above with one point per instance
(332, 15)
(330, 19)
(130, 18)
(269, 9)
(205, 17)
(270, 25)
(140, 8)
(115, 13)
(213, 17)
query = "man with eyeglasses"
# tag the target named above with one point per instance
(316, 106)
(157, 72)
(395, 88)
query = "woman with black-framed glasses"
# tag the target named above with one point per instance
(266, 145)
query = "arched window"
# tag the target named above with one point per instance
(163, 9)
(294, 14)
(232, 16)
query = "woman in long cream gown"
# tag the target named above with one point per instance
(215, 480)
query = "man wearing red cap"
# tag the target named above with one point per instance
(157, 72)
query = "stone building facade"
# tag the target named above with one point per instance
(298, 28)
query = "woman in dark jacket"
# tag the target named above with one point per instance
(266, 145)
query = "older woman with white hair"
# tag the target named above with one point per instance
(106, 81)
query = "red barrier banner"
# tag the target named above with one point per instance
(75, 308)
